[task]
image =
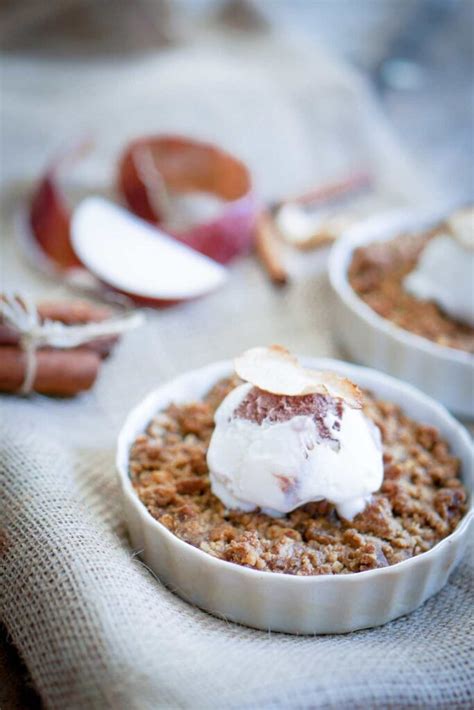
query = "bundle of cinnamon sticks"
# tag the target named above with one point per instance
(57, 372)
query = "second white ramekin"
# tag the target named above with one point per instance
(279, 602)
(444, 373)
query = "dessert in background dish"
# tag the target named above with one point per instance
(423, 282)
(411, 491)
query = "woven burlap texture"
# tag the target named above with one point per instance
(97, 630)
(94, 627)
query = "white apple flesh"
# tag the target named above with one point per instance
(138, 259)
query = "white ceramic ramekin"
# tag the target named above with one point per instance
(273, 601)
(444, 373)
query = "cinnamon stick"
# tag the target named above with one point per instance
(358, 182)
(61, 373)
(73, 312)
(69, 313)
(269, 250)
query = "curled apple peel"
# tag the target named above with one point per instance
(151, 168)
(276, 370)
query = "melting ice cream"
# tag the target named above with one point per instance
(277, 451)
(445, 270)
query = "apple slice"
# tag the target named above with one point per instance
(136, 258)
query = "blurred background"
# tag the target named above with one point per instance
(416, 54)
(303, 90)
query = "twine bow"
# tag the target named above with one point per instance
(21, 314)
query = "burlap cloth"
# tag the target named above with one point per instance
(94, 627)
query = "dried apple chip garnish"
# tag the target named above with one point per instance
(275, 370)
(154, 167)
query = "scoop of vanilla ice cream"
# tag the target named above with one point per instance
(283, 461)
(445, 274)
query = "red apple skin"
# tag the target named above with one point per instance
(50, 221)
(228, 236)
(131, 187)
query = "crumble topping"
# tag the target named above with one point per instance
(421, 500)
(376, 274)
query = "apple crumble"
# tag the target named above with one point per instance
(420, 502)
(377, 273)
